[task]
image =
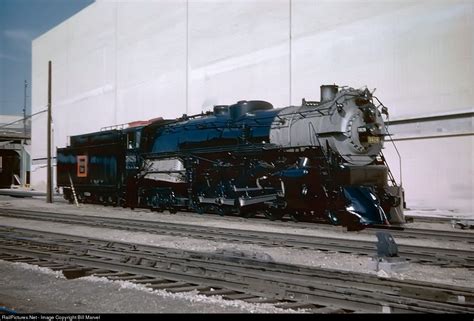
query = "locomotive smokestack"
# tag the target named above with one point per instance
(328, 92)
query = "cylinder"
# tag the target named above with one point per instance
(328, 92)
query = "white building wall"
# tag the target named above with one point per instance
(436, 173)
(116, 62)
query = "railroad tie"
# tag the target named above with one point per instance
(74, 273)
(239, 296)
(151, 281)
(295, 305)
(218, 292)
(125, 278)
(25, 260)
(328, 310)
(189, 288)
(95, 271)
(107, 274)
(262, 300)
(168, 285)
(51, 265)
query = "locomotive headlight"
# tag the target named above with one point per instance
(369, 112)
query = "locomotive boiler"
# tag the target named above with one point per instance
(321, 161)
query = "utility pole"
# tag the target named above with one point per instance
(23, 167)
(290, 47)
(24, 110)
(49, 185)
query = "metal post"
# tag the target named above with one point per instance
(49, 187)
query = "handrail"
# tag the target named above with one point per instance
(111, 127)
(390, 175)
(399, 157)
(393, 143)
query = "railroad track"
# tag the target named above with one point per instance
(397, 231)
(413, 253)
(232, 275)
(465, 236)
(429, 219)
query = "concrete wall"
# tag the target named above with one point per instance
(115, 62)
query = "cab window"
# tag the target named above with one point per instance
(133, 140)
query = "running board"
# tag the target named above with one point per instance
(241, 201)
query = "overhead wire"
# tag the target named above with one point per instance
(23, 118)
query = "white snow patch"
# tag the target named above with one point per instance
(36, 268)
(195, 297)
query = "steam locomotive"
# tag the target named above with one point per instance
(321, 161)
